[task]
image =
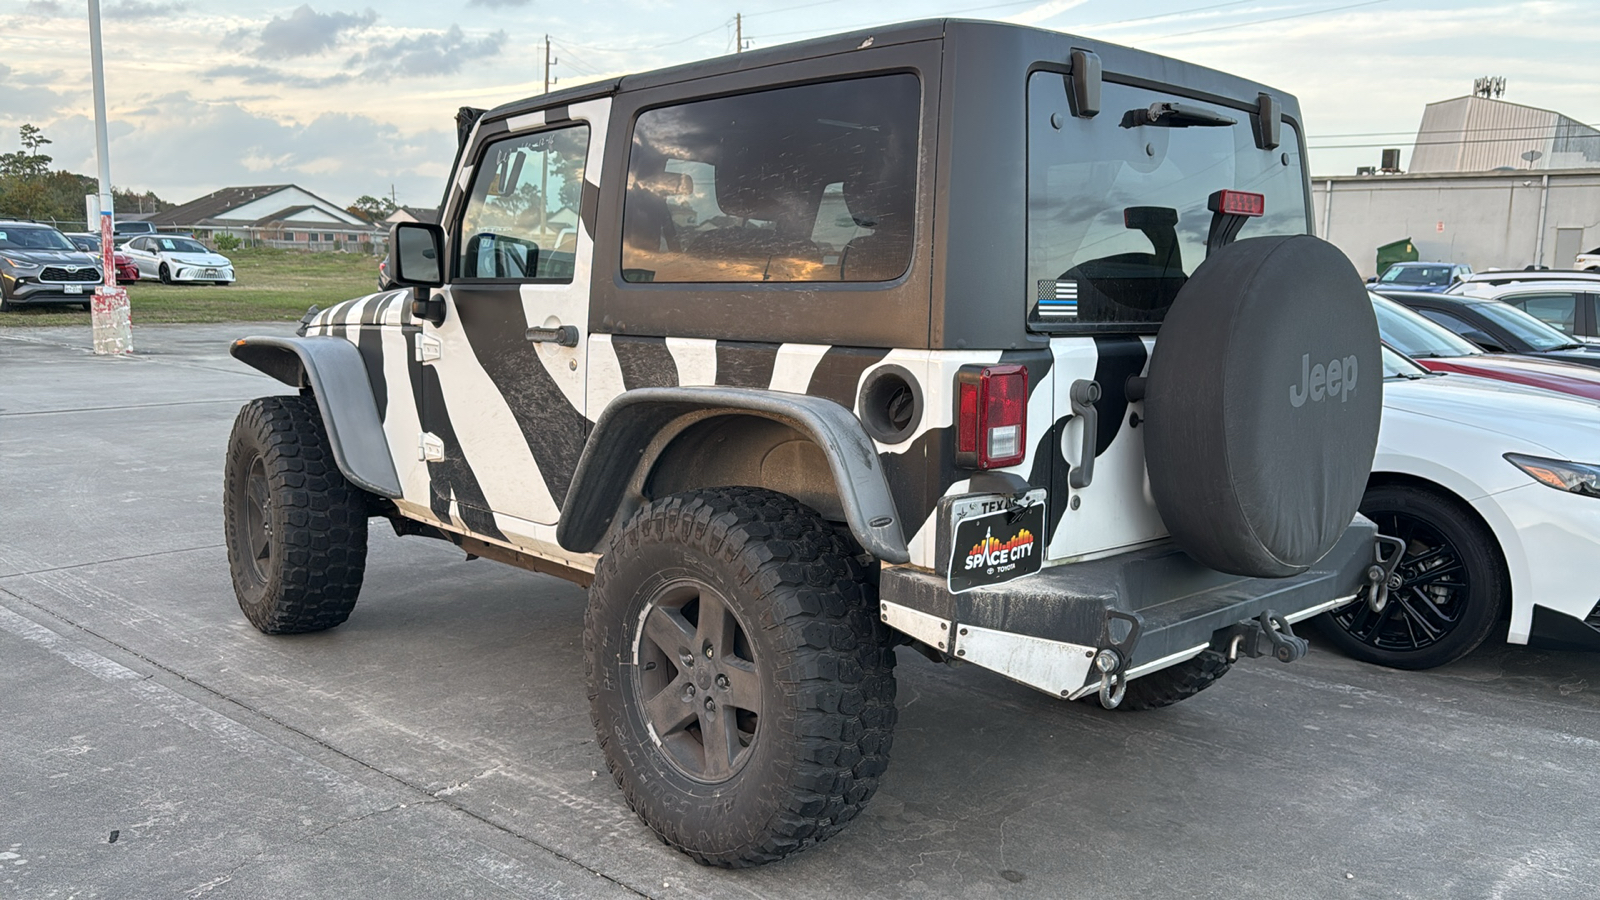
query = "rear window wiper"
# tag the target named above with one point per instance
(1174, 115)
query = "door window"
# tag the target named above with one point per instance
(1555, 309)
(798, 184)
(521, 221)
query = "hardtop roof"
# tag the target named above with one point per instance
(1116, 59)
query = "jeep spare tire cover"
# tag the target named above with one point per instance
(1262, 404)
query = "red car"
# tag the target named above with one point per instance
(1438, 349)
(127, 272)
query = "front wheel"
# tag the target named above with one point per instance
(1444, 598)
(165, 273)
(296, 530)
(741, 685)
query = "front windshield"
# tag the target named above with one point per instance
(180, 245)
(1117, 211)
(1397, 366)
(14, 238)
(1524, 326)
(1417, 275)
(1416, 336)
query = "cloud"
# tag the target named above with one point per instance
(307, 31)
(44, 8)
(27, 97)
(430, 53)
(497, 4)
(267, 75)
(183, 147)
(140, 9)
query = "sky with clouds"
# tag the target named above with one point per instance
(349, 99)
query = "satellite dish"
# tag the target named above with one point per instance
(1532, 155)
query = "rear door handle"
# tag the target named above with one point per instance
(564, 335)
(1084, 395)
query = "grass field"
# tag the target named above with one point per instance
(272, 285)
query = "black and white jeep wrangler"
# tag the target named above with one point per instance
(798, 355)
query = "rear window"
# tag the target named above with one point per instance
(799, 184)
(1117, 215)
(1416, 336)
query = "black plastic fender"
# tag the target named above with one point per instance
(333, 369)
(628, 429)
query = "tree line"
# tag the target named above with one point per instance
(30, 190)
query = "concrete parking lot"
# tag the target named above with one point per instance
(439, 745)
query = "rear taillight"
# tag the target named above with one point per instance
(991, 416)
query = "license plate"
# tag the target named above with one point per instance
(72, 289)
(995, 541)
(211, 271)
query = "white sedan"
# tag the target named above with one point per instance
(1495, 489)
(173, 258)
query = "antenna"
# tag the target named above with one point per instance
(1489, 86)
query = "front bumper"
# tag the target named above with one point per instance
(1046, 630)
(27, 289)
(201, 273)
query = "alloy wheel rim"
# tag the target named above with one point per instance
(258, 518)
(696, 679)
(1428, 595)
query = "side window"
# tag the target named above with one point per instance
(1558, 310)
(521, 220)
(799, 184)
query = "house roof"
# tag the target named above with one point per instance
(214, 207)
(213, 204)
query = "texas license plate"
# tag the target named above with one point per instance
(72, 289)
(995, 540)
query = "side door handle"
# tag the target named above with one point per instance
(564, 335)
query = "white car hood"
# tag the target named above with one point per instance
(1532, 420)
(197, 259)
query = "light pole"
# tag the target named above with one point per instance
(113, 332)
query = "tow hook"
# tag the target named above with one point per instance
(1254, 637)
(1381, 575)
(1112, 661)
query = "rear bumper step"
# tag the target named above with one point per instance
(1154, 607)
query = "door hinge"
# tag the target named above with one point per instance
(429, 348)
(430, 448)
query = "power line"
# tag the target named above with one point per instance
(719, 27)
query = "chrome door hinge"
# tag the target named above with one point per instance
(429, 348)
(430, 448)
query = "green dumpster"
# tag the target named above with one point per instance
(1398, 251)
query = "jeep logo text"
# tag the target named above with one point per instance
(1335, 379)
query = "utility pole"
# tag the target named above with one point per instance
(548, 62)
(738, 32)
(113, 331)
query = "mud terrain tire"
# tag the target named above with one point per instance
(796, 672)
(296, 530)
(1175, 683)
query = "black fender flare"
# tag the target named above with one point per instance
(334, 371)
(628, 428)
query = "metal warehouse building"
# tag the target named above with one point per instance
(1491, 184)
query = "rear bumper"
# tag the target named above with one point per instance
(1045, 629)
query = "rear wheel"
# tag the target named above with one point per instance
(1445, 597)
(741, 685)
(296, 530)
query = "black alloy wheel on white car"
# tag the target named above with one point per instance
(1444, 599)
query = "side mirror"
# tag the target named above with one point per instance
(416, 254)
(1372, 280)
